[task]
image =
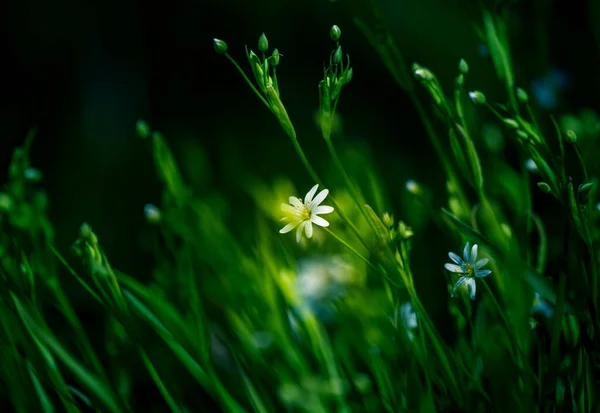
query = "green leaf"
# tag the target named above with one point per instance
(101, 391)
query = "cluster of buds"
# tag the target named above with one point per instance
(264, 72)
(335, 76)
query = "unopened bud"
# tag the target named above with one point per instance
(337, 56)
(220, 46)
(152, 214)
(521, 134)
(405, 231)
(413, 187)
(85, 231)
(142, 129)
(571, 137)
(584, 192)
(263, 43)
(347, 76)
(6, 202)
(423, 74)
(388, 220)
(544, 187)
(477, 97)
(511, 123)
(522, 95)
(460, 80)
(32, 174)
(275, 58)
(335, 33)
(463, 67)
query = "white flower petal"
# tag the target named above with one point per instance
(319, 198)
(466, 252)
(322, 209)
(458, 283)
(472, 287)
(309, 229)
(473, 253)
(299, 231)
(482, 273)
(289, 209)
(454, 268)
(288, 227)
(295, 202)
(319, 221)
(480, 263)
(310, 194)
(454, 257)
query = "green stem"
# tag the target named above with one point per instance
(318, 180)
(263, 100)
(345, 244)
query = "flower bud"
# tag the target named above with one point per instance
(6, 202)
(335, 33)
(522, 95)
(32, 174)
(463, 67)
(337, 56)
(544, 187)
(460, 80)
(388, 220)
(477, 97)
(423, 74)
(511, 123)
(404, 230)
(584, 192)
(220, 46)
(521, 134)
(413, 187)
(85, 231)
(571, 137)
(152, 214)
(275, 58)
(263, 43)
(347, 76)
(142, 129)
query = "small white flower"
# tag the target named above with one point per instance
(302, 215)
(467, 268)
(408, 317)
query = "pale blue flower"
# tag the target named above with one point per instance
(408, 318)
(541, 306)
(467, 268)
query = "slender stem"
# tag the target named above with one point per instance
(263, 100)
(345, 244)
(502, 315)
(318, 180)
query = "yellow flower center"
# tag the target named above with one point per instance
(468, 270)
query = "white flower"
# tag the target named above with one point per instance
(302, 215)
(408, 317)
(467, 268)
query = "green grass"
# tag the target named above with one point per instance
(240, 317)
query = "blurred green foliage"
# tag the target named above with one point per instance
(432, 124)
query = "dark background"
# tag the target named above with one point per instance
(84, 72)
